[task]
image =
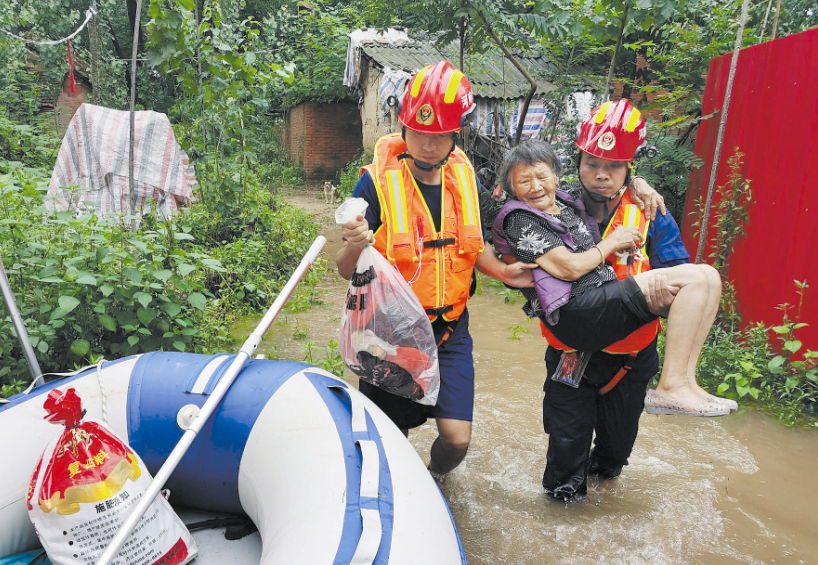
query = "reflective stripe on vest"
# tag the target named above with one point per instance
(627, 214)
(438, 264)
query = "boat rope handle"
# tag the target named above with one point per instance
(104, 395)
(372, 532)
(358, 410)
(33, 385)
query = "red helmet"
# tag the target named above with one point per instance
(613, 131)
(438, 100)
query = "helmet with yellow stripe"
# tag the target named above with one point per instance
(613, 131)
(438, 100)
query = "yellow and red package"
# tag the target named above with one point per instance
(82, 488)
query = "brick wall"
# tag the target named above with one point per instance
(323, 138)
(67, 104)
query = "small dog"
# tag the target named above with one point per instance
(331, 193)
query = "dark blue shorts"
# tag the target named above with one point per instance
(456, 398)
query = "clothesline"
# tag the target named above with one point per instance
(88, 16)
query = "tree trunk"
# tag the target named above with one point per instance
(616, 50)
(135, 6)
(131, 180)
(119, 53)
(766, 18)
(203, 184)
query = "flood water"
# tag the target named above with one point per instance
(730, 490)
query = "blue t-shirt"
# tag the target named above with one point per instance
(431, 194)
(664, 243)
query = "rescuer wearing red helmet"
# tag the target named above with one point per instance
(606, 298)
(424, 212)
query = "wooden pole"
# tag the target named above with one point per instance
(775, 20)
(766, 18)
(131, 187)
(714, 170)
(616, 50)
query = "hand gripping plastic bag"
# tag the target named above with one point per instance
(82, 487)
(386, 338)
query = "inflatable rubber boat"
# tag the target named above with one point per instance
(324, 475)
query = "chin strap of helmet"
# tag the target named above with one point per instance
(423, 165)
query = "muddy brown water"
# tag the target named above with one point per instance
(738, 489)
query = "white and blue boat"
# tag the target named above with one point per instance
(323, 474)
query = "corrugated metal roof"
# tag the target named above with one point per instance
(491, 74)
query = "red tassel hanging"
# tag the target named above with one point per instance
(71, 85)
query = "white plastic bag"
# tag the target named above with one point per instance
(85, 481)
(386, 338)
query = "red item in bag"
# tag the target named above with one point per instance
(82, 488)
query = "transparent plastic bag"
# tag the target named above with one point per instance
(350, 209)
(386, 338)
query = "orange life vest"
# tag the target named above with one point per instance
(438, 265)
(627, 214)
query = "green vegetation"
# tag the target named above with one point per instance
(89, 287)
(746, 365)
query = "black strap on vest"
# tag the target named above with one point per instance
(443, 329)
(437, 243)
(439, 311)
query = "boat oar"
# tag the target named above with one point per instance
(210, 406)
(18, 324)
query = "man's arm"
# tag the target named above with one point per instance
(358, 232)
(665, 249)
(660, 295)
(516, 274)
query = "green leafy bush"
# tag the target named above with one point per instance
(352, 172)
(746, 366)
(88, 286)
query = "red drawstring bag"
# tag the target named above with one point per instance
(82, 488)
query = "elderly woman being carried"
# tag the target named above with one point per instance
(590, 291)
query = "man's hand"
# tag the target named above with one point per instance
(660, 295)
(519, 275)
(647, 198)
(357, 232)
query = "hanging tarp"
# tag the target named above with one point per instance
(91, 172)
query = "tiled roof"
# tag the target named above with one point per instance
(491, 75)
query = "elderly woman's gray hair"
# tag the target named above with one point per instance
(528, 153)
